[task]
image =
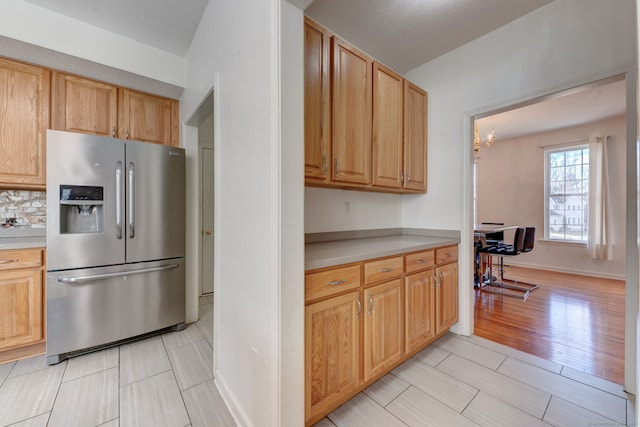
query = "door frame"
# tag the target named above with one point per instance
(632, 213)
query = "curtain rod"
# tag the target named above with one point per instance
(569, 143)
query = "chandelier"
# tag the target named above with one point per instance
(479, 143)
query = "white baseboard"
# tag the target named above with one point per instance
(238, 415)
(569, 270)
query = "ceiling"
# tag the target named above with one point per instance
(168, 25)
(578, 106)
(402, 34)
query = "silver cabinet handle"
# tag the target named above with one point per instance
(337, 282)
(113, 132)
(8, 261)
(408, 177)
(119, 200)
(324, 165)
(441, 278)
(386, 270)
(337, 167)
(370, 304)
(126, 134)
(359, 306)
(95, 277)
(132, 222)
(435, 280)
(401, 177)
(420, 261)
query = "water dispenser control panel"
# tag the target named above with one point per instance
(81, 209)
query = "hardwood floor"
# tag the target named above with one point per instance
(574, 320)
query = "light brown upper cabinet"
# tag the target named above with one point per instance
(415, 137)
(317, 106)
(24, 119)
(387, 127)
(365, 125)
(351, 114)
(89, 106)
(83, 105)
(149, 118)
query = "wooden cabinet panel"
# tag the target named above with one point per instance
(419, 261)
(20, 258)
(419, 310)
(387, 127)
(330, 282)
(316, 101)
(446, 297)
(149, 118)
(447, 254)
(383, 269)
(383, 328)
(351, 114)
(82, 105)
(20, 307)
(415, 137)
(332, 355)
(24, 119)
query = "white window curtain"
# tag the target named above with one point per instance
(600, 244)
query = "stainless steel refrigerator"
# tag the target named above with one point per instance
(115, 241)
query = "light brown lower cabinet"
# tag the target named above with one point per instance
(21, 298)
(383, 328)
(332, 352)
(363, 319)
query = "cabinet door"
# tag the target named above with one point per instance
(383, 328)
(415, 137)
(419, 310)
(20, 307)
(149, 118)
(446, 297)
(316, 101)
(24, 119)
(351, 114)
(387, 127)
(332, 341)
(82, 105)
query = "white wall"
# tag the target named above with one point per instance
(339, 210)
(561, 45)
(33, 24)
(259, 294)
(511, 179)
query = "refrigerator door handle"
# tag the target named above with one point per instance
(119, 200)
(132, 222)
(95, 277)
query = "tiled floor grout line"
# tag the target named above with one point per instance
(173, 372)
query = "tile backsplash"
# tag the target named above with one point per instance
(29, 208)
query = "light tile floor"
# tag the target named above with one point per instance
(470, 381)
(168, 381)
(165, 380)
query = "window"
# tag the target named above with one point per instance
(567, 194)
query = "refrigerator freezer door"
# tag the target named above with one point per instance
(155, 201)
(78, 160)
(98, 306)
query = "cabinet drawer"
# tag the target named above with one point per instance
(419, 261)
(329, 282)
(446, 255)
(20, 258)
(389, 268)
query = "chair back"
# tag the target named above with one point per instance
(529, 239)
(518, 240)
(496, 237)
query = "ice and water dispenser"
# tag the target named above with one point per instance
(81, 209)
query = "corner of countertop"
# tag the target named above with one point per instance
(23, 237)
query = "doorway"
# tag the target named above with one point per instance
(509, 176)
(205, 143)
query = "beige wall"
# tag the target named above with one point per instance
(510, 177)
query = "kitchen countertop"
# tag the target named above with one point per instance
(328, 254)
(22, 238)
